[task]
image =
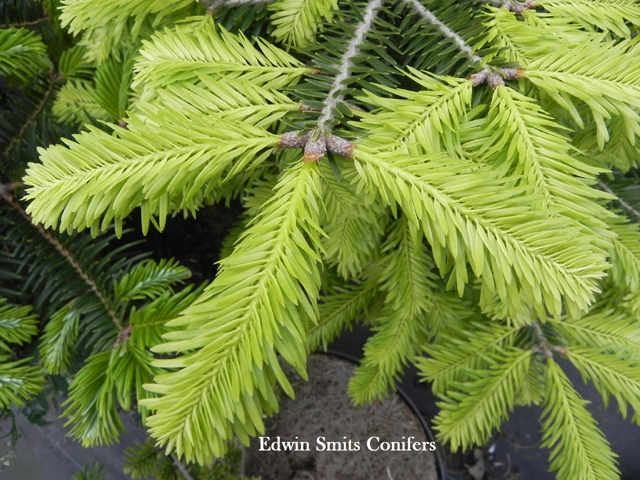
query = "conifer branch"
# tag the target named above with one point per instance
(335, 96)
(445, 30)
(34, 115)
(320, 141)
(625, 205)
(542, 345)
(492, 76)
(38, 21)
(5, 194)
(181, 468)
(213, 6)
(512, 5)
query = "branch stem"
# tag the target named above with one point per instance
(212, 6)
(625, 205)
(26, 24)
(511, 5)
(6, 195)
(444, 30)
(543, 344)
(181, 468)
(353, 48)
(30, 120)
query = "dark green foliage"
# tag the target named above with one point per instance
(93, 471)
(460, 144)
(146, 461)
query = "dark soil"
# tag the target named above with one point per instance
(322, 409)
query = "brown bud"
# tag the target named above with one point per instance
(339, 146)
(314, 150)
(518, 7)
(292, 140)
(512, 73)
(495, 80)
(480, 77)
(307, 108)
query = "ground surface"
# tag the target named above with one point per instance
(45, 453)
(322, 410)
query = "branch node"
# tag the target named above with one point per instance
(316, 144)
(495, 77)
(339, 146)
(518, 7)
(123, 336)
(293, 140)
(314, 150)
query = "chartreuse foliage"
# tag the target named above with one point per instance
(467, 226)
(297, 21)
(263, 300)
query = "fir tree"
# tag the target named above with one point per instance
(458, 160)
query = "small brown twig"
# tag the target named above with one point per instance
(181, 468)
(6, 193)
(542, 346)
(30, 120)
(26, 24)
(603, 186)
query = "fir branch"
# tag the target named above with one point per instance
(445, 30)
(543, 344)
(625, 254)
(607, 15)
(334, 97)
(45, 18)
(320, 140)
(608, 330)
(182, 468)
(66, 254)
(625, 205)
(492, 76)
(296, 22)
(32, 118)
(212, 6)
(468, 418)
(452, 358)
(337, 311)
(257, 307)
(611, 375)
(462, 223)
(578, 447)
